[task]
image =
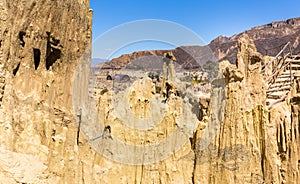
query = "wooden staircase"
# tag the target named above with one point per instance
(285, 68)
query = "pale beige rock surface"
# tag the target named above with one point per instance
(42, 43)
(44, 71)
(253, 145)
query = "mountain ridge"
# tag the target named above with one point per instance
(268, 38)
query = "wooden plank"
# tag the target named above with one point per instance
(286, 88)
(276, 102)
(278, 85)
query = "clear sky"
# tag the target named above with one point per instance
(207, 18)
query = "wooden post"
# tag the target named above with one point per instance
(290, 72)
(290, 62)
(79, 124)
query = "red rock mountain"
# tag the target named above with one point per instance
(269, 39)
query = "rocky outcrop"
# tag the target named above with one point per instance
(252, 144)
(238, 140)
(149, 140)
(39, 52)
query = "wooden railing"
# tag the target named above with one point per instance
(279, 65)
(286, 65)
(273, 62)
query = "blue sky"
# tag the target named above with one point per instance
(206, 18)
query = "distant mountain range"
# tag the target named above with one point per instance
(97, 61)
(269, 39)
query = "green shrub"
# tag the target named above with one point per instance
(157, 89)
(103, 91)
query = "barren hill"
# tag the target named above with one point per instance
(269, 39)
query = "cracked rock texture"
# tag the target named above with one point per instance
(252, 144)
(42, 43)
(44, 70)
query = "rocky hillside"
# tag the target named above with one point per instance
(269, 39)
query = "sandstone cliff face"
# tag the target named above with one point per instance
(253, 145)
(42, 43)
(155, 149)
(44, 96)
(237, 140)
